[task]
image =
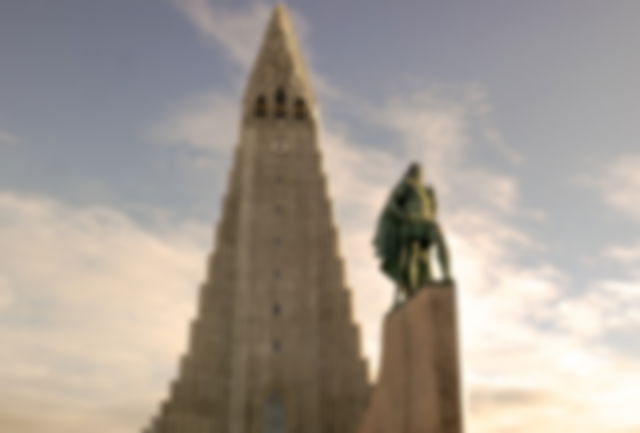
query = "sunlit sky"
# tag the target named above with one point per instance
(117, 123)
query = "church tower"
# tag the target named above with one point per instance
(274, 348)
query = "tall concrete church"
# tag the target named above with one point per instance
(274, 347)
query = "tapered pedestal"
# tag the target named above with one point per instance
(418, 390)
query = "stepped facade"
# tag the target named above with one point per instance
(274, 347)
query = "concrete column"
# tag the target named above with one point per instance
(418, 389)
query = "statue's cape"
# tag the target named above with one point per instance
(388, 238)
(391, 232)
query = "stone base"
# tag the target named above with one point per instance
(418, 389)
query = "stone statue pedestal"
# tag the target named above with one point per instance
(418, 389)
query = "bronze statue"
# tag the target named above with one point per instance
(407, 231)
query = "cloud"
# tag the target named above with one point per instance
(93, 304)
(619, 184)
(205, 122)
(536, 351)
(528, 343)
(358, 184)
(209, 120)
(440, 126)
(625, 254)
(612, 305)
(8, 139)
(524, 331)
(436, 129)
(237, 31)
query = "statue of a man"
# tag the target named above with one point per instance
(407, 230)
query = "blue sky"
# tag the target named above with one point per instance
(116, 129)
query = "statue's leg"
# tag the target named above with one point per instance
(423, 254)
(414, 270)
(443, 252)
(426, 266)
(404, 275)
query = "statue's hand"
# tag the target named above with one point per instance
(448, 280)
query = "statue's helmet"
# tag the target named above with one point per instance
(414, 171)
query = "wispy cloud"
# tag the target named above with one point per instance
(618, 183)
(91, 302)
(625, 254)
(238, 31)
(94, 303)
(441, 126)
(529, 343)
(534, 350)
(207, 122)
(8, 139)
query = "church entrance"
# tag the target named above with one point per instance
(274, 414)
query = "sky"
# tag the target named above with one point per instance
(117, 124)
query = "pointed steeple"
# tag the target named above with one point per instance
(274, 346)
(279, 65)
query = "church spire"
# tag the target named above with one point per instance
(274, 347)
(279, 74)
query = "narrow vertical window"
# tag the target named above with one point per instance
(281, 103)
(274, 421)
(261, 106)
(300, 109)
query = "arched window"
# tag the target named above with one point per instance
(281, 103)
(261, 106)
(274, 421)
(300, 109)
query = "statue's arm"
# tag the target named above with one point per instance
(394, 205)
(395, 209)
